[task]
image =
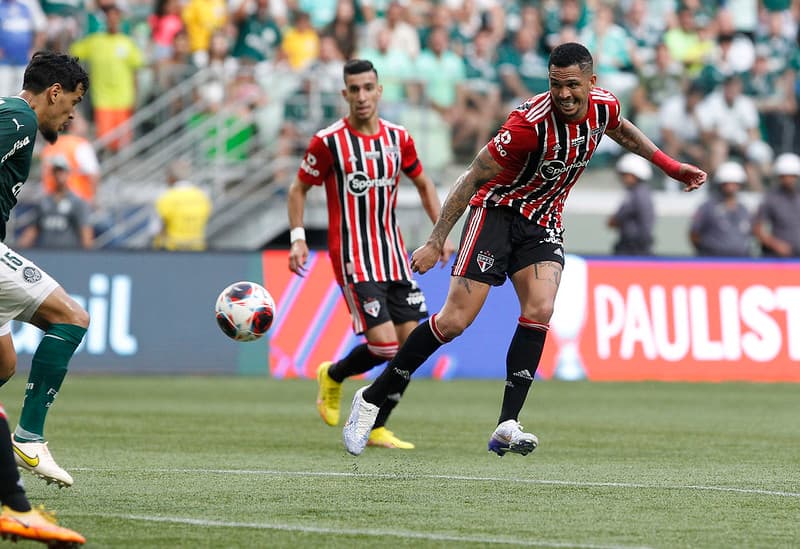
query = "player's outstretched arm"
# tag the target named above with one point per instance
(432, 206)
(633, 139)
(482, 169)
(298, 253)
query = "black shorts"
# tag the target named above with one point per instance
(373, 303)
(498, 242)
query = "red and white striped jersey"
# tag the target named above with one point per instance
(361, 174)
(543, 156)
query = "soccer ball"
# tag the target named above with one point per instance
(245, 311)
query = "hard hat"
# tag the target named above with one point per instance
(787, 164)
(636, 165)
(730, 172)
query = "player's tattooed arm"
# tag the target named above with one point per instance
(482, 169)
(633, 139)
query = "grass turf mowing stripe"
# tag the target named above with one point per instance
(427, 536)
(573, 483)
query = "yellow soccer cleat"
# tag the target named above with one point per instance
(384, 438)
(37, 525)
(328, 396)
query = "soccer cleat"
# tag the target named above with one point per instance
(328, 396)
(36, 458)
(359, 424)
(509, 437)
(384, 438)
(38, 525)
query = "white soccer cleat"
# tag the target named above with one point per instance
(36, 458)
(509, 437)
(359, 424)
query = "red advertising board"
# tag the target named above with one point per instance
(692, 321)
(614, 320)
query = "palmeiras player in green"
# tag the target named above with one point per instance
(53, 85)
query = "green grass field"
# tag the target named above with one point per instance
(166, 462)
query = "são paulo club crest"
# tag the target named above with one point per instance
(372, 307)
(485, 261)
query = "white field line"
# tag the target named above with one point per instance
(372, 532)
(464, 478)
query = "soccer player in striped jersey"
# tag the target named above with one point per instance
(53, 86)
(515, 189)
(359, 160)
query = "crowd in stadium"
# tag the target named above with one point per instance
(710, 82)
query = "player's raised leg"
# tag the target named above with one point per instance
(64, 323)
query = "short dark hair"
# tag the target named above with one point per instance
(357, 66)
(48, 67)
(571, 53)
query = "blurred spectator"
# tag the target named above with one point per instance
(97, 16)
(22, 27)
(395, 69)
(61, 219)
(481, 92)
(721, 226)
(83, 167)
(613, 53)
(322, 12)
(635, 218)
(559, 15)
(472, 16)
(645, 32)
(113, 60)
(774, 95)
(681, 132)
(202, 18)
(685, 43)
(300, 42)
(403, 35)
(343, 29)
(64, 22)
(258, 36)
(183, 211)
(658, 83)
(439, 17)
(177, 68)
(736, 49)
(780, 42)
(730, 125)
(776, 225)
(322, 85)
(523, 67)
(442, 73)
(165, 23)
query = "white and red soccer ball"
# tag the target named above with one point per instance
(245, 311)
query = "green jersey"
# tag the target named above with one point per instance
(18, 125)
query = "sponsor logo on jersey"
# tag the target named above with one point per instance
(552, 169)
(358, 183)
(372, 155)
(577, 141)
(372, 307)
(485, 261)
(502, 138)
(308, 163)
(15, 147)
(14, 120)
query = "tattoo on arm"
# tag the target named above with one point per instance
(482, 169)
(633, 139)
(465, 282)
(549, 271)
